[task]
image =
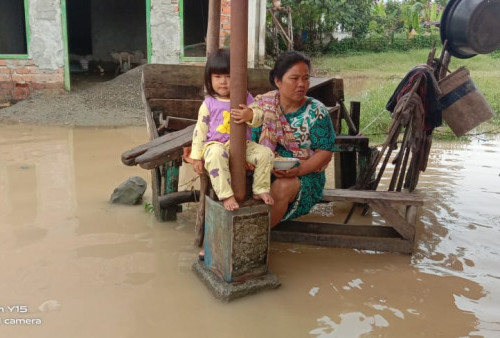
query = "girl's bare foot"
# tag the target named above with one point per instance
(265, 197)
(231, 204)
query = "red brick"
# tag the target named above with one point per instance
(57, 85)
(20, 93)
(28, 78)
(36, 85)
(7, 85)
(3, 62)
(228, 26)
(23, 70)
(17, 78)
(5, 71)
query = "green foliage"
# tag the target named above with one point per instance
(149, 207)
(381, 44)
(371, 78)
(314, 21)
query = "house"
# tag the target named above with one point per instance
(44, 42)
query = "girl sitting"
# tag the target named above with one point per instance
(210, 148)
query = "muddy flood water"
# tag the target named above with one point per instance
(74, 265)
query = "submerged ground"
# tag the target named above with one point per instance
(77, 266)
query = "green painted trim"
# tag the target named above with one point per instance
(181, 22)
(27, 25)
(148, 30)
(194, 58)
(14, 56)
(67, 80)
(182, 57)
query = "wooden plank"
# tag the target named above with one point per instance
(355, 116)
(162, 157)
(337, 229)
(411, 214)
(316, 82)
(178, 197)
(367, 196)
(335, 117)
(143, 148)
(178, 123)
(199, 228)
(361, 141)
(161, 75)
(156, 183)
(394, 219)
(344, 241)
(164, 91)
(177, 107)
(186, 81)
(327, 90)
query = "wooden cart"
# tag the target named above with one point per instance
(172, 95)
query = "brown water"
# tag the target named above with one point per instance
(86, 268)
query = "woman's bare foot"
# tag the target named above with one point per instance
(231, 204)
(265, 197)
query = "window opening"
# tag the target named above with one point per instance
(13, 37)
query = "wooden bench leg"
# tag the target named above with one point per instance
(394, 218)
(199, 229)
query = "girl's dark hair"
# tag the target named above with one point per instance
(217, 63)
(284, 62)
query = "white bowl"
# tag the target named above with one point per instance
(284, 163)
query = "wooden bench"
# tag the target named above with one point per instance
(172, 95)
(398, 209)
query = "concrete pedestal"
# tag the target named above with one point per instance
(229, 291)
(236, 249)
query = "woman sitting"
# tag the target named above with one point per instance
(295, 125)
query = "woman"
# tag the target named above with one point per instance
(294, 126)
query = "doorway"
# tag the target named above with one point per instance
(194, 23)
(105, 38)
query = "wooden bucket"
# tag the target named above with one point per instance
(463, 105)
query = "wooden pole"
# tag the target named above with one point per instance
(213, 29)
(238, 89)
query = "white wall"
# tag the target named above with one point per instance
(46, 45)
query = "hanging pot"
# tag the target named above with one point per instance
(471, 27)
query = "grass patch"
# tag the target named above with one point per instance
(371, 78)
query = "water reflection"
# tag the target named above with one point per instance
(113, 271)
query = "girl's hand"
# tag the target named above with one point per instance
(198, 167)
(249, 166)
(242, 115)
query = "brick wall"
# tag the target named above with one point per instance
(18, 78)
(225, 22)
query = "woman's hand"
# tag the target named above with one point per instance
(290, 173)
(242, 115)
(198, 167)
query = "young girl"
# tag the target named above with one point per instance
(210, 149)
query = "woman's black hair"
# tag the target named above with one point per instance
(217, 63)
(284, 62)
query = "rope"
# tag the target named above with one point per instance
(376, 118)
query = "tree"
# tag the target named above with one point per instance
(317, 17)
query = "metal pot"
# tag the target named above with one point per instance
(471, 27)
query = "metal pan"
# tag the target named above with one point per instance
(471, 27)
